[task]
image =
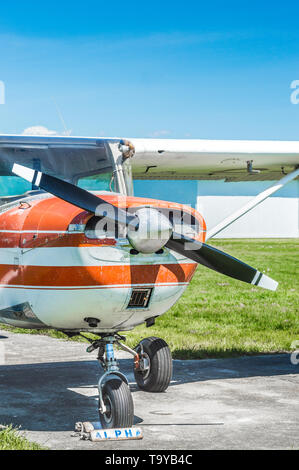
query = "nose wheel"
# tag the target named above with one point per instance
(153, 371)
(119, 408)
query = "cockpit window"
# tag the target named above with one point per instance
(100, 182)
(85, 162)
(13, 186)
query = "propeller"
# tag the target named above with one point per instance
(148, 229)
(219, 261)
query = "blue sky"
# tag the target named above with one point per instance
(192, 69)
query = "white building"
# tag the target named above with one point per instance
(276, 217)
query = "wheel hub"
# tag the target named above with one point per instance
(108, 413)
(144, 364)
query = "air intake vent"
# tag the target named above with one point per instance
(140, 298)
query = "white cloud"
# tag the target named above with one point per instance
(38, 130)
(42, 130)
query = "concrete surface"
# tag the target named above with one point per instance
(46, 385)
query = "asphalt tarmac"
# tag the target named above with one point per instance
(47, 385)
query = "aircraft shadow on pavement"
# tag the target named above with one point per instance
(54, 396)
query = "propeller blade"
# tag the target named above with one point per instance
(74, 195)
(219, 261)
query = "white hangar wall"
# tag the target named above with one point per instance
(276, 217)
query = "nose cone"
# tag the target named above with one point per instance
(153, 232)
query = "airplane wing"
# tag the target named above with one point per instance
(232, 160)
(69, 157)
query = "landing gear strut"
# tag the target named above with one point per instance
(152, 370)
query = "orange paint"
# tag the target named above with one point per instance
(79, 276)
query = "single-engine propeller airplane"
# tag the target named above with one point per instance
(79, 253)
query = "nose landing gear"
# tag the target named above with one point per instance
(152, 371)
(116, 409)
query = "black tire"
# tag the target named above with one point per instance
(158, 377)
(120, 409)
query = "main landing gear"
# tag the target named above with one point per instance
(152, 371)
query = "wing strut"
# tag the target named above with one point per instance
(251, 204)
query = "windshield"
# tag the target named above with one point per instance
(91, 163)
(100, 182)
(13, 186)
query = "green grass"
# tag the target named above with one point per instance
(220, 317)
(10, 439)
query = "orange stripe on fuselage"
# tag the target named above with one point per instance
(93, 275)
(9, 240)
